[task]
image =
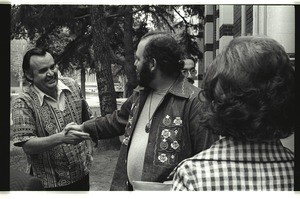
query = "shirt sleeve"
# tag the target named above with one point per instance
(201, 138)
(110, 125)
(181, 180)
(23, 123)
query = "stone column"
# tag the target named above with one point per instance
(208, 36)
(225, 25)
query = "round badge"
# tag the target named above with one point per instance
(164, 145)
(167, 120)
(175, 145)
(166, 133)
(163, 158)
(177, 121)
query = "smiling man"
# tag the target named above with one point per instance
(40, 114)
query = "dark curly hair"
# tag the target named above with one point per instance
(165, 50)
(249, 91)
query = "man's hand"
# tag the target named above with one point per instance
(77, 130)
(39, 145)
(73, 139)
(73, 126)
(73, 134)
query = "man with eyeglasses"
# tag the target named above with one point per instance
(189, 70)
(40, 114)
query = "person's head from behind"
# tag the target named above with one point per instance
(157, 52)
(40, 70)
(249, 91)
(189, 70)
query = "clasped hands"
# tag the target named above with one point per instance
(73, 134)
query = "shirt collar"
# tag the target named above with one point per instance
(230, 149)
(181, 87)
(41, 95)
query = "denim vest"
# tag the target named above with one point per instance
(174, 134)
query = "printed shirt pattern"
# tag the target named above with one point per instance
(63, 164)
(237, 166)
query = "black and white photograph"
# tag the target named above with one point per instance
(152, 97)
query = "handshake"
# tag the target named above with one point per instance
(73, 134)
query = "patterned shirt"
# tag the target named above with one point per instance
(236, 165)
(60, 102)
(35, 117)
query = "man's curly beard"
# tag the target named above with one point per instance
(145, 76)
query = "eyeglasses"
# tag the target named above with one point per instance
(187, 72)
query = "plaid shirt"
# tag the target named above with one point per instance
(235, 165)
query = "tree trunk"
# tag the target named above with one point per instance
(130, 71)
(82, 81)
(105, 84)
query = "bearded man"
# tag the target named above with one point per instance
(159, 120)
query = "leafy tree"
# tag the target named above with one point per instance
(71, 23)
(189, 32)
(95, 37)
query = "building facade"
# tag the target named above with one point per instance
(224, 22)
